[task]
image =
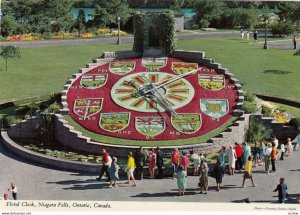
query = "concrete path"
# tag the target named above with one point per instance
(110, 40)
(40, 183)
(281, 44)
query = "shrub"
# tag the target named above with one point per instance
(258, 131)
(282, 28)
(250, 107)
(249, 97)
(295, 122)
(8, 121)
(54, 108)
(22, 111)
(267, 112)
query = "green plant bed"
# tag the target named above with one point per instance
(116, 141)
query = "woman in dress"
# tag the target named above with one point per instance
(181, 180)
(289, 147)
(231, 160)
(152, 162)
(218, 174)
(203, 179)
(114, 173)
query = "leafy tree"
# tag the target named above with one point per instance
(176, 4)
(107, 12)
(9, 52)
(207, 10)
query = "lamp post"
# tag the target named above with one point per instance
(266, 41)
(118, 41)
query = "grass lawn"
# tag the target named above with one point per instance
(271, 72)
(43, 70)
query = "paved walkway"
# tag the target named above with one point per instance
(40, 183)
(281, 44)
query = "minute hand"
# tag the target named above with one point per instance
(170, 81)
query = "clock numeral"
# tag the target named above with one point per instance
(150, 138)
(125, 132)
(102, 71)
(76, 87)
(229, 87)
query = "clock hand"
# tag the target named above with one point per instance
(159, 97)
(171, 80)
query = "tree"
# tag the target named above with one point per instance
(80, 23)
(9, 52)
(107, 12)
(8, 26)
(207, 10)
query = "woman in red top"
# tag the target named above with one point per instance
(185, 161)
(239, 156)
(175, 161)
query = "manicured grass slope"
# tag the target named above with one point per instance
(43, 70)
(271, 72)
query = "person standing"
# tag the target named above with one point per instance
(255, 36)
(222, 157)
(268, 152)
(282, 150)
(181, 180)
(282, 190)
(256, 154)
(242, 34)
(295, 42)
(248, 172)
(203, 179)
(175, 161)
(130, 169)
(106, 161)
(152, 162)
(231, 160)
(218, 173)
(196, 162)
(298, 140)
(140, 159)
(14, 190)
(185, 161)
(275, 140)
(159, 161)
(248, 35)
(246, 152)
(273, 157)
(114, 172)
(239, 156)
(289, 147)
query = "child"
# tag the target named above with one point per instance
(289, 147)
(114, 173)
(281, 188)
(181, 180)
(13, 189)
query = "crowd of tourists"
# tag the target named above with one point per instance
(236, 158)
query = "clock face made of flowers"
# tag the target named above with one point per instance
(153, 99)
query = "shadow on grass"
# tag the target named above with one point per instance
(276, 72)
